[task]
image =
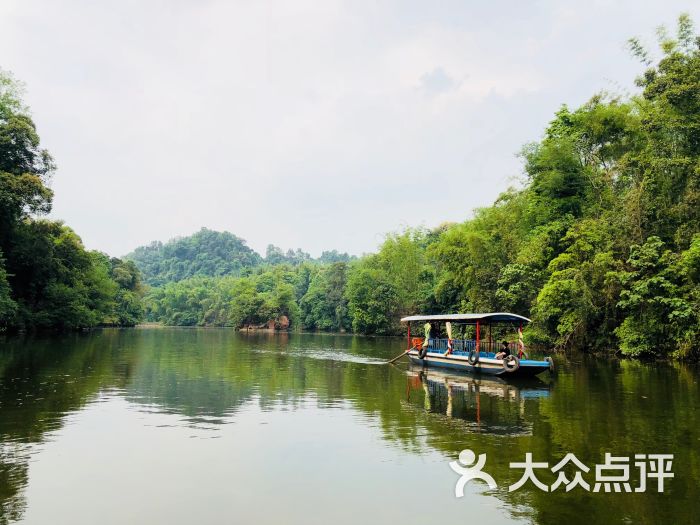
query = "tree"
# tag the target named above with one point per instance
(372, 300)
(659, 294)
(48, 279)
(128, 307)
(577, 303)
(56, 282)
(668, 174)
(206, 253)
(324, 306)
(8, 307)
(24, 165)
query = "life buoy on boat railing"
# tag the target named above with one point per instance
(423, 352)
(473, 357)
(511, 363)
(551, 363)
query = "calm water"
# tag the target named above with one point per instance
(208, 426)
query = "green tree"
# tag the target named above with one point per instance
(48, 279)
(206, 253)
(57, 283)
(8, 307)
(660, 298)
(667, 174)
(24, 165)
(128, 307)
(373, 301)
(577, 303)
(324, 306)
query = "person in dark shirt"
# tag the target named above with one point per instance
(505, 350)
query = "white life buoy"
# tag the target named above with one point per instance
(511, 363)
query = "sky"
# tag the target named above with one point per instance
(314, 124)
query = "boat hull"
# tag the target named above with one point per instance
(487, 366)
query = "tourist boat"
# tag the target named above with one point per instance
(477, 354)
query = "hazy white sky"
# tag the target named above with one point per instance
(315, 124)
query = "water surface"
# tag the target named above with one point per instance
(207, 426)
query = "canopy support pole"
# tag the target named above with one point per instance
(478, 336)
(521, 343)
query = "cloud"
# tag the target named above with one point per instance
(437, 82)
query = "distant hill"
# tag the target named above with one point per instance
(213, 254)
(206, 253)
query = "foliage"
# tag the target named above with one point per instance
(254, 300)
(24, 166)
(47, 278)
(577, 302)
(396, 281)
(8, 306)
(275, 255)
(660, 299)
(128, 307)
(333, 256)
(210, 253)
(373, 301)
(324, 306)
(205, 253)
(598, 246)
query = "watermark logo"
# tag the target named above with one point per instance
(613, 475)
(467, 473)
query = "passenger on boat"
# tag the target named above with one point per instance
(505, 350)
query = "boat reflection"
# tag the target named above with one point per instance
(485, 404)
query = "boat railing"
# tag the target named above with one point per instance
(469, 345)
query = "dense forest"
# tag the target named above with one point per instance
(599, 245)
(47, 278)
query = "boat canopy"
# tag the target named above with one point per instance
(497, 317)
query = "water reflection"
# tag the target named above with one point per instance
(213, 383)
(485, 404)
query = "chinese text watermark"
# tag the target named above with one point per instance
(613, 475)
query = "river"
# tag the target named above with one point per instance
(180, 426)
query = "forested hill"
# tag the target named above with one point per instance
(209, 253)
(206, 253)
